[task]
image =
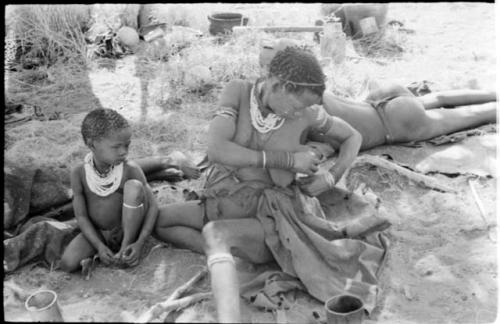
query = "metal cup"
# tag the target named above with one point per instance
(344, 309)
(42, 306)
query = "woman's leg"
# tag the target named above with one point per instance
(244, 238)
(446, 121)
(453, 98)
(181, 224)
(409, 121)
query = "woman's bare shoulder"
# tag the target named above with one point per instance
(232, 93)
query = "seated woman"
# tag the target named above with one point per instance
(392, 114)
(254, 206)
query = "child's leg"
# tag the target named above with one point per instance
(151, 164)
(133, 211)
(181, 224)
(454, 98)
(77, 250)
(246, 238)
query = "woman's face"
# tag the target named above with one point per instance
(288, 104)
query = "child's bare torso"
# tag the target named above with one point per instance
(105, 212)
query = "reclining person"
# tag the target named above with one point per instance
(393, 114)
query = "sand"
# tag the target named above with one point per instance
(442, 262)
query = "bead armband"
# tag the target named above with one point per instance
(278, 160)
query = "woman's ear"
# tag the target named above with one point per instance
(90, 144)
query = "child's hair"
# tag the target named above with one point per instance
(298, 69)
(100, 122)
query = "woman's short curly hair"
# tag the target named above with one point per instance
(100, 122)
(295, 65)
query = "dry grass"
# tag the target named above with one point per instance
(50, 32)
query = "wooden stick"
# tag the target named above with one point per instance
(481, 209)
(188, 285)
(296, 29)
(417, 177)
(156, 310)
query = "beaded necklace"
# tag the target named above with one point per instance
(102, 184)
(261, 124)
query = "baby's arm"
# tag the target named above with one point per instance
(81, 215)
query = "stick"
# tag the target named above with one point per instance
(297, 29)
(481, 208)
(166, 306)
(417, 177)
(478, 202)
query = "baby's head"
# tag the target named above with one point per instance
(107, 134)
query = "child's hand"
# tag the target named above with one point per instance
(131, 254)
(105, 255)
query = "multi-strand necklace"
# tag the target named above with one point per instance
(263, 125)
(102, 184)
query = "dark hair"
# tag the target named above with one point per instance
(298, 69)
(100, 122)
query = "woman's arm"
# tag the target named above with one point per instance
(340, 135)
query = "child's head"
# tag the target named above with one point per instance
(107, 134)
(296, 79)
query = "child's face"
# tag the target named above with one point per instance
(112, 149)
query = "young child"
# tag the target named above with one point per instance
(112, 201)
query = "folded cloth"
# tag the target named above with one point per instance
(268, 289)
(317, 248)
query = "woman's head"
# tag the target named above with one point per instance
(107, 134)
(296, 74)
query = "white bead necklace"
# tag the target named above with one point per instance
(102, 185)
(261, 124)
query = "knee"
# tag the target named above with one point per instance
(133, 192)
(68, 263)
(214, 235)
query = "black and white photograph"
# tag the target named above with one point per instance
(272, 162)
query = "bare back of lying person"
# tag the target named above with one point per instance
(112, 201)
(256, 145)
(392, 114)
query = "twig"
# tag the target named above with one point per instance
(480, 206)
(172, 302)
(188, 285)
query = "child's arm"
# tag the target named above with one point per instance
(82, 218)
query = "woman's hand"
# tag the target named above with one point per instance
(305, 162)
(317, 183)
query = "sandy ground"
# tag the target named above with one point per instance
(442, 262)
